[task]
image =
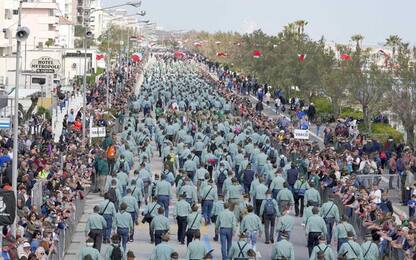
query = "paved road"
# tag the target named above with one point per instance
(143, 249)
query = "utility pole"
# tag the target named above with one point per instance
(16, 113)
(84, 85)
(107, 70)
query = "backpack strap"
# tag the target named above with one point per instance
(368, 249)
(241, 253)
(355, 253)
(326, 215)
(106, 207)
(207, 193)
(193, 222)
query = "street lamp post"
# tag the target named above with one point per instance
(21, 35)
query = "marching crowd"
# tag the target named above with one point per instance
(243, 172)
(225, 163)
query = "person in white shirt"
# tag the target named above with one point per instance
(375, 194)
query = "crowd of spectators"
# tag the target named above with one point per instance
(339, 165)
(53, 176)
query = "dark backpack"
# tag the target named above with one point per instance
(272, 155)
(116, 254)
(248, 176)
(282, 163)
(112, 195)
(221, 177)
(269, 209)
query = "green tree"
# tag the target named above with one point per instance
(403, 93)
(393, 41)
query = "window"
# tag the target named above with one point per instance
(51, 27)
(7, 14)
(15, 12)
(51, 12)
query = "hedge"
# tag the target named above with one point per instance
(351, 112)
(322, 105)
(381, 132)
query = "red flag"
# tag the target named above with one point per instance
(221, 54)
(302, 57)
(179, 54)
(135, 57)
(99, 56)
(345, 57)
(257, 54)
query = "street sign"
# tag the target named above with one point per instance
(301, 134)
(5, 123)
(46, 65)
(97, 132)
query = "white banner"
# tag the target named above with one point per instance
(301, 134)
(97, 132)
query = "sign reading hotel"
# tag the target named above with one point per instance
(46, 65)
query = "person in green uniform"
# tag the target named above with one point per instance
(239, 249)
(164, 194)
(95, 227)
(341, 231)
(299, 190)
(283, 249)
(369, 248)
(251, 225)
(208, 196)
(181, 213)
(196, 249)
(132, 208)
(351, 249)
(108, 211)
(315, 227)
(259, 194)
(159, 225)
(123, 224)
(285, 197)
(89, 250)
(150, 211)
(114, 250)
(312, 196)
(163, 250)
(285, 224)
(216, 209)
(277, 183)
(269, 210)
(194, 223)
(322, 250)
(227, 225)
(330, 213)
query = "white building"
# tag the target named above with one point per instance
(8, 20)
(66, 33)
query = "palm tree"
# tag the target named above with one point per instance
(357, 38)
(301, 26)
(393, 41)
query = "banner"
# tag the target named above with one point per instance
(301, 134)
(7, 207)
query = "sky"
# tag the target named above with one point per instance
(334, 19)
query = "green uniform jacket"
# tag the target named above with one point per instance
(351, 250)
(235, 251)
(95, 221)
(123, 220)
(285, 223)
(196, 250)
(330, 210)
(342, 229)
(160, 222)
(251, 222)
(370, 251)
(89, 251)
(226, 219)
(315, 223)
(328, 252)
(285, 194)
(182, 209)
(194, 220)
(131, 202)
(162, 252)
(110, 210)
(283, 250)
(313, 195)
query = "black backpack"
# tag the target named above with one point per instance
(272, 155)
(282, 163)
(112, 195)
(221, 177)
(116, 254)
(248, 176)
(269, 209)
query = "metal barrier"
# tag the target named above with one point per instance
(65, 235)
